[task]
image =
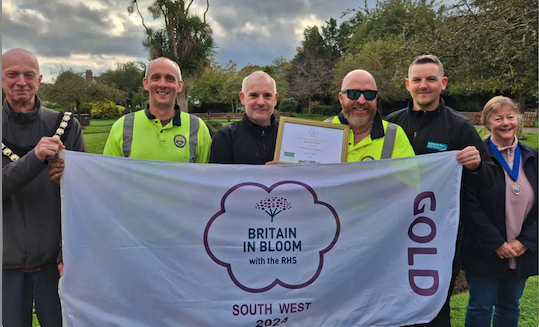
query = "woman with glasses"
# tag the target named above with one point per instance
(499, 250)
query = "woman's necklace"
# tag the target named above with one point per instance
(516, 188)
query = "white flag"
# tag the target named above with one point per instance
(149, 243)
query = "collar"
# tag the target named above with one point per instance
(176, 120)
(524, 149)
(23, 117)
(257, 128)
(377, 130)
(417, 114)
(510, 147)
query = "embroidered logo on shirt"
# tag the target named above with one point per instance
(367, 158)
(437, 146)
(179, 141)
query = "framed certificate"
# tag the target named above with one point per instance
(303, 141)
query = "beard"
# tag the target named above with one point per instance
(358, 121)
(162, 105)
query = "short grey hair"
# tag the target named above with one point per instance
(427, 59)
(256, 75)
(172, 61)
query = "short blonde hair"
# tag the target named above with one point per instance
(496, 103)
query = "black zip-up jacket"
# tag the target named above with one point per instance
(30, 200)
(444, 129)
(484, 218)
(244, 142)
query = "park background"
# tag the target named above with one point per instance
(488, 47)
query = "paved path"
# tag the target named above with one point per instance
(526, 129)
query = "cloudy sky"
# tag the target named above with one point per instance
(98, 34)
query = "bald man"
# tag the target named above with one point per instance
(162, 131)
(31, 137)
(370, 138)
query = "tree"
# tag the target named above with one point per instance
(385, 60)
(499, 52)
(126, 77)
(381, 43)
(279, 70)
(232, 87)
(71, 88)
(311, 71)
(185, 38)
(391, 18)
(337, 37)
(209, 86)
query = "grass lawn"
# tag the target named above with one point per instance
(528, 306)
(102, 122)
(313, 117)
(96, 134)
(96, 129)
(96, 142)
(532, 138)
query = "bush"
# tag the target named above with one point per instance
(56, 106)
(288, 105)
(136, 100)
(214, 126)
(326, 110)
(106, 110)
(85, 108)
(470, 106)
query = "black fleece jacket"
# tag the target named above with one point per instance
(444, 129)
(244, 142)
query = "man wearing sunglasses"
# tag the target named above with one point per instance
(370, 138)
(433, 127)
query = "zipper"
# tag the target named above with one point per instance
(416, 129)
(264, 146)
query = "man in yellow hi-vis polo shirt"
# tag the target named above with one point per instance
(161, 131)
(370, 138)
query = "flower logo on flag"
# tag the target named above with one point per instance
(260, 253)
(273, 206)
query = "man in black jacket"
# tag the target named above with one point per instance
(432, 127)
(251, 140)
(31, 137)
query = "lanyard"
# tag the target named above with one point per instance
(516, 163)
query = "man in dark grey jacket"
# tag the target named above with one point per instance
(252, 140)
(31, 137)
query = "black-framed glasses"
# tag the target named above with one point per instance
(355, 94)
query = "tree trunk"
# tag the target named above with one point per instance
(232, 105)
(182, 100)
(77, 106)
(520, 130)
(521, 100)
(379, 105)
(310, 109)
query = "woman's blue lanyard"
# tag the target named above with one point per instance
(516, 163)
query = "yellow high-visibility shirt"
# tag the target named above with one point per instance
(140, 135)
